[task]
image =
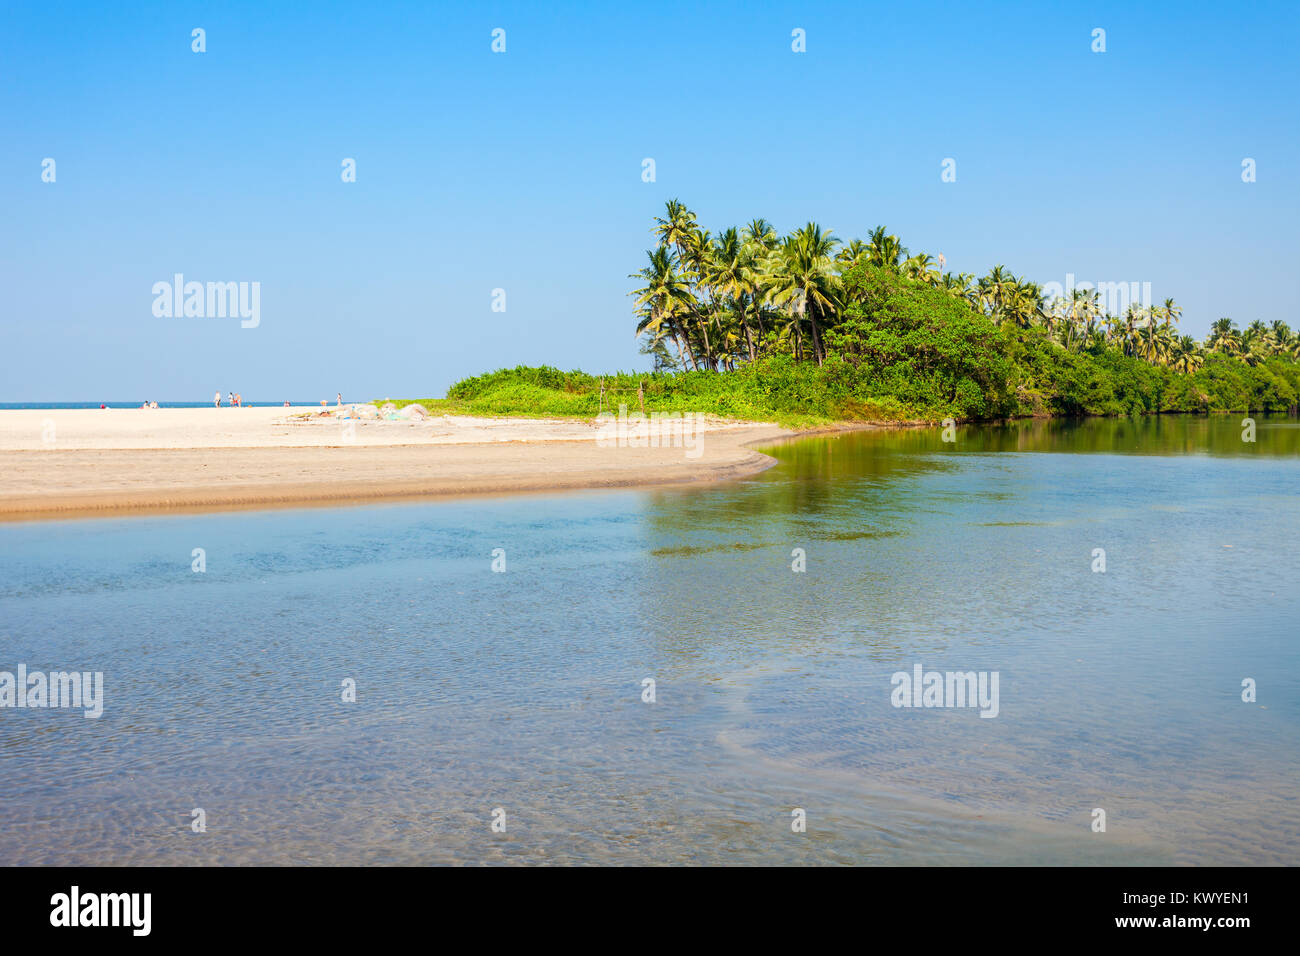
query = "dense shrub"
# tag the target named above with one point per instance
(903, 351)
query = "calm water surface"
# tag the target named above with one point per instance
(522, 690)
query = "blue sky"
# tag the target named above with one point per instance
(522, 170)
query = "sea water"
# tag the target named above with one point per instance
(647, 678)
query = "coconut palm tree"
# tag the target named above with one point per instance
(854, 252)
(1166, 343)
(1172, 311)
(1224, 338)
(1255, 345)
(1083, 309)
(805, 283)
(1281, 337)
(886, 250)
(698, 246)
(729, 336)
(996, 292)
(1146, 320)
(1259, 350)
(1114, 330)
(759, 232)
(675, 227)
(732, 298)
(955, 284)
(919, 269)
(730, 272)
(1186, 355)
(1056, 320)
(1130, 330)
(961, 286)
(1023, 305)
(663, 303)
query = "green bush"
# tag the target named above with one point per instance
(902, 351)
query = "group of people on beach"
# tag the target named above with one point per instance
(235, 400)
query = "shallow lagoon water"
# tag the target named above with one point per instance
(523, 690)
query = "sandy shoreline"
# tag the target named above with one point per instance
(86, 462)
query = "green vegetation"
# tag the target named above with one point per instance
(804, 330)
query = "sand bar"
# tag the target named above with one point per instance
(71, 463)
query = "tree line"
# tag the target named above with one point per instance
(711, 302)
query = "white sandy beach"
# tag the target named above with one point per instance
(75, 429)
(66, 462)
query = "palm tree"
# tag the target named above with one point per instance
(698, 245)
(1186, 355)
(1081, 313)
(1130, 331)
(1259, 350)
(1172, 312)
(996, 290)
(1056, 320)
(1281, 337)
(855, 252)
(663, 301)
(886, 250)
(1255, 346)
(1090, 309)
(730, 272)
(805, 282)
(961, 286)
(760, 241)
(675, 227)
(729, 331)
(1224, 338)
(918, 268)
(732, 298)
(1026, 307)
(759, 232)
(1166, 344)
(1114, 330)
(1148, 344)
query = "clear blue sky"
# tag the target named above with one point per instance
(523, 170)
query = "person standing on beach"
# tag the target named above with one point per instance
(216, 400)
(231, 399)
(239, 400)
